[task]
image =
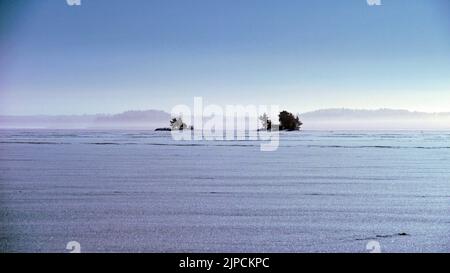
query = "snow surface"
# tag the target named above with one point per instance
(140, 191)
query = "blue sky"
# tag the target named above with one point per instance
(108, 56)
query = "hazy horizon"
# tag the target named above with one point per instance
(291, 110)
(323, 119)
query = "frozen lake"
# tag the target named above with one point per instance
(140, 191)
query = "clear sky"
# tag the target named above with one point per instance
(108, 56)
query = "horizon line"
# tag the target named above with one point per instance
(168, 112)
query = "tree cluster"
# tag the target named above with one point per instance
(287, 121)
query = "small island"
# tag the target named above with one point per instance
(287, 122)
(163, 129)
(176, 124)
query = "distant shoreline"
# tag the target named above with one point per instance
(326, 119)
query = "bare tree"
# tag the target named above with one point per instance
(266, 122)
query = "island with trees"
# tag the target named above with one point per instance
(287, 122)
(176, 124)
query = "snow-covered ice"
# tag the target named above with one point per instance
(140, 191)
